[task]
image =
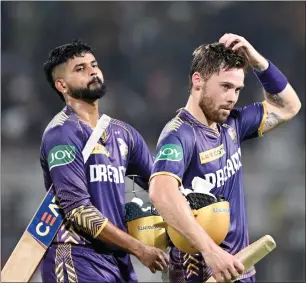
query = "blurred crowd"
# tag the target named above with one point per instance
(144, 50)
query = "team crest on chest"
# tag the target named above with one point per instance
(104, 137)
(231, 131)
(123, 148)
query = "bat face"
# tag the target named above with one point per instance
(46, 221)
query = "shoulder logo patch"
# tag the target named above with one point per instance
(61, 155)
(170, 152)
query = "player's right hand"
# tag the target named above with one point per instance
(225, 267)
(153, 258)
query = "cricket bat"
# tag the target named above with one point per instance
(43, 227)
(253, 253)
(34, 242)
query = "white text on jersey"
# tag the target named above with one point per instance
(233, 164)
(107, 173)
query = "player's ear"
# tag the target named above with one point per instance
(196, 80)
(61, 85)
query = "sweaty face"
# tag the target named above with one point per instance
(84, 78)
(220, 93)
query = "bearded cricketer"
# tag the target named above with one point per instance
(204, 140)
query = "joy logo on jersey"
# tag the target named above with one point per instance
(61, 155)
(170, 152)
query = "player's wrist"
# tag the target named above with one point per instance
(260, 65)
(137, 248)
(272, 79)
(207, 246)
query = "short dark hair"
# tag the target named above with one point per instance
(209, 59)
(62, 54)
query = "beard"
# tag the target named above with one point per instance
(95, 89)
(211, 111)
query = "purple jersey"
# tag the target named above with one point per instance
(187, 149)
(101, 180)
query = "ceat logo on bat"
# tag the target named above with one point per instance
(47, 220)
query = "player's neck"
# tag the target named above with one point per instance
(195, 110)
(88, 112)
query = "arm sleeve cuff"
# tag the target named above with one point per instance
(88, 219)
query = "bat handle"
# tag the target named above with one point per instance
(253, 253)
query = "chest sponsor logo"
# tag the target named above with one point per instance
(106, 173)
(170, 152)
(61, 155)
(212, 154)
(100, 149)
(233, 164)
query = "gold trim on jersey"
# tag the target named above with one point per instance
(101, 228)
(100, 149)
(192, 268)
(88, 219)
(264, 118)
(174, 124)
(212, 154)
(64, 257)
(59, 119)
(59, 269)
(69, 235)
(166, 173)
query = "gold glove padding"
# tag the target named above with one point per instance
(215, 220)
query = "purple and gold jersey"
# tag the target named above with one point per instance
(187, 148)
(100, 181)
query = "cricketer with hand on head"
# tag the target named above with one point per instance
(204, 140)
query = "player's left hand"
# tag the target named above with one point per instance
(153, 258)
(236, 42)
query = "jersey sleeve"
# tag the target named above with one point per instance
(62, 154)
(140, 159)
(251, 120)
(174, 152)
